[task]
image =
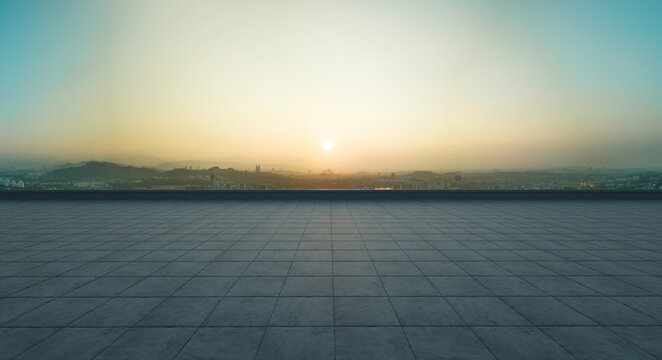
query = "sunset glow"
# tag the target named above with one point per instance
(328, 145)
(405, 84)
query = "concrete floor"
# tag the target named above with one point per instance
(331, 280)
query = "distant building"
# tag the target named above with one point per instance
(257, 169)
(90, 185)
(213, 182)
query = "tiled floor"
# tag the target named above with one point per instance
(331, 280)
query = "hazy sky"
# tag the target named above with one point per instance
(393, 84)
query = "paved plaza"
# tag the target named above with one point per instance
(331, 280)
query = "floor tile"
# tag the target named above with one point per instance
(459, 286)
(180, 312)
(606, 311)
(358, 286)
(206, 286)
(649, 305)
(432, 343)
(155, 286)
(372, 343)
(485, 311)
(364, 311)
(147, 344)
(645, 337)
(307, 286)
(242, 312)
(547, 311)
(425, 311)
(520, 343)
(13, 307)
(73, 343)
(222, 343)
(257, 286)
(308, 311)
(105, 286)
(58, 312)
(595, 343)
(408, 286)
(14, 341)
(297, 343)
(311, 269)
(119, 312)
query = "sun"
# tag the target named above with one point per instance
(328, 145)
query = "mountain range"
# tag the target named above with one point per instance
(100, 170)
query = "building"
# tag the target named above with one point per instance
(213, 182)
(90, 185)
(257, 169)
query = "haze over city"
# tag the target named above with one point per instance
(346, 85)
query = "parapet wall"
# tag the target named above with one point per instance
(346, 195)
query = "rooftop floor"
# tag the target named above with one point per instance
(331, 280)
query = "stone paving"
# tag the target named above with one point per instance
(331, 280)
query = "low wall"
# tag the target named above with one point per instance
(417, 195)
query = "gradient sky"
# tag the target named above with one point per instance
(395, 84)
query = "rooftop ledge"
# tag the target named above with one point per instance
(280, 195)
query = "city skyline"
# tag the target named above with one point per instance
(95, 175)
(411, 85)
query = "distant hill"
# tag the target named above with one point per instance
(423, 175)
(69, 165)
(198, 165)
(101, 170)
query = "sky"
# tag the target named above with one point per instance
(392, 85)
